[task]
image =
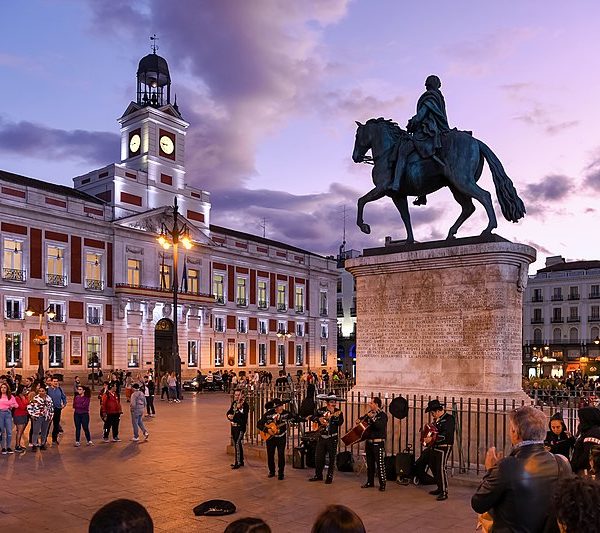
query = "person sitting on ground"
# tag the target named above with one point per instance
(588, 437)
(558, 439)
(247, 525)
(338, 519)
(577, 505)
(517, 490)
(121, 516)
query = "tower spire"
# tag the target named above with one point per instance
(153, 45)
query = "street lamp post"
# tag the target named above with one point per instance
(284, 335)
(172, 237)
(40, 339)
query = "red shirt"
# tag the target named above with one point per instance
(21, 410)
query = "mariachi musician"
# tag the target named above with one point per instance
(238, 418)
(438, 445)
(375, 443)
(274, 423)
(328, 420)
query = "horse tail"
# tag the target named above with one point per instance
(512, 206)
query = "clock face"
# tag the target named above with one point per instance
(134, 143)
(167, 145)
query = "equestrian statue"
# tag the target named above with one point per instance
(427, 157)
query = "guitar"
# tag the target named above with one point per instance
(429, 430)
(271, 429)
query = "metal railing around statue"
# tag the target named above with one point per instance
(479, 423)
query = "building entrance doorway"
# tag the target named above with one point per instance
(163, 346)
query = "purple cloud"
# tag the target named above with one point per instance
(553, 188)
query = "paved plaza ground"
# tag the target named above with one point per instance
(185, 463)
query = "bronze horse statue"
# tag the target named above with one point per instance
(463, 156)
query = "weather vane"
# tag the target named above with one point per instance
(154, 46)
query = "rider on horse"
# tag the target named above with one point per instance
(426, 126)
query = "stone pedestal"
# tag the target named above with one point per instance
(441, 318)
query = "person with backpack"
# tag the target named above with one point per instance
(137, 407)
(111, 413)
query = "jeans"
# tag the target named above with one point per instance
(39, 430)
(6, 424)
(150, 405)
(82, 420)
(172, 395)
(137, 422)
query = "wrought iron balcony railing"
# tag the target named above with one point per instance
(56, 280)
(241, 302)
(299, 309)
(537, 320)
(94, 320)
(14, 274)
(281, 307)
(262, 304)
(573, 296)
(323, 312)
(14, 315)
(94, 284)
(219, 299)
(557, 298)
(557, 320)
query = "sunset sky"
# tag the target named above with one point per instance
(272, 90)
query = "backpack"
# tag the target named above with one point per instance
(345, 462)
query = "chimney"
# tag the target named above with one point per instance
(554, 260)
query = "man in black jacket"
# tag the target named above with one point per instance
(588, 438)
(238, 417)
(517, 490)
(375, 444)
(274, 422)
(329, 419)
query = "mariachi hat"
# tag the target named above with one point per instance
(275, 402)
(330, 397)
(434, 405)
(398, 407)
(214, 508)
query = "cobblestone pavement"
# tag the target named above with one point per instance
(184, 463)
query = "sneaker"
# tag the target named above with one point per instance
(90, 443)
(135, 439)
(146, 435)
(19, 449)
(4, 452)
(77, 444)
(9, 450)
(116, 439)
(105, 439)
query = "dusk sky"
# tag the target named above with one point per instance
(272, 89)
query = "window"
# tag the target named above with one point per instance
(573, 293)
(595, 291)
(220, 323)
(281, 326)
(55, 266)
(281, 297)
(262, 294)
(324, 331)
(240, 295)
(323, 303)
(165, 272)
(300, 329)
(94, 354)
(59, 311)
(573, 313)
(339, 329)
(56, 351)
(557, 294)
(218, 288)
(595, 333)
(280, 354)
(219, 357)
(262, 354)
(93, 271)
(12, 260)
(537, 335)
(537, 295)
(13, 308)
(340, 308)
(339, 285)
(13, 347)
(537, 315)
(133, 352)
(242, 325)
(323, 355)
(557, 314)
(595, 310)
(193, 281)
(573, 335)
(299, 355)
(94, 314)
(556, 335)
(134, 269)
(263, 326)
(241, 353)
(192, 358)
(299, 300)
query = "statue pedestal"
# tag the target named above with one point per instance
(442, 318)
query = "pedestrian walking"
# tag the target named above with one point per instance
(172, 385)
(59, 400)
(20, 416)
(137, 408)
(164, 387)
(7, 404)
(41, 411)
(128, 386)
(111, 414)
(149, 394)
(81, 414)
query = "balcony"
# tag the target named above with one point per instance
(299, 309)
(594, 318)
(594, 295)
(281, 307)
(14, 315)
(262, 331)
(56, 280)
(537, 299)
(573, 296)
(57, 318)
(242, 330)
(557, 320)
(162, 295)
(219, 299)
(220, 328)
(557, 298)
(574, 319)
(539, 320)
(241, 302)
(94, 284)
(94, 320)
(13, 274)
(263, 304)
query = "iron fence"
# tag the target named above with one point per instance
(480, 423)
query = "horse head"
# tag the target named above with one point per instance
(362, 143)
(376, 131)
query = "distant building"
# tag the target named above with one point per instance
(561, 319)
(90, 257)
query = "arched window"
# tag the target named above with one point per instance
(537, 335)
(595, 333)
(573, 335)
(556, 335)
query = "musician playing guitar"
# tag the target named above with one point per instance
(274, 425)
(437, 449)
(375, 443)
(329, 419)
(238, 417)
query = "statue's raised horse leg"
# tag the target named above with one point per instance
(401, 204)
(468, 209)
(371, 196)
